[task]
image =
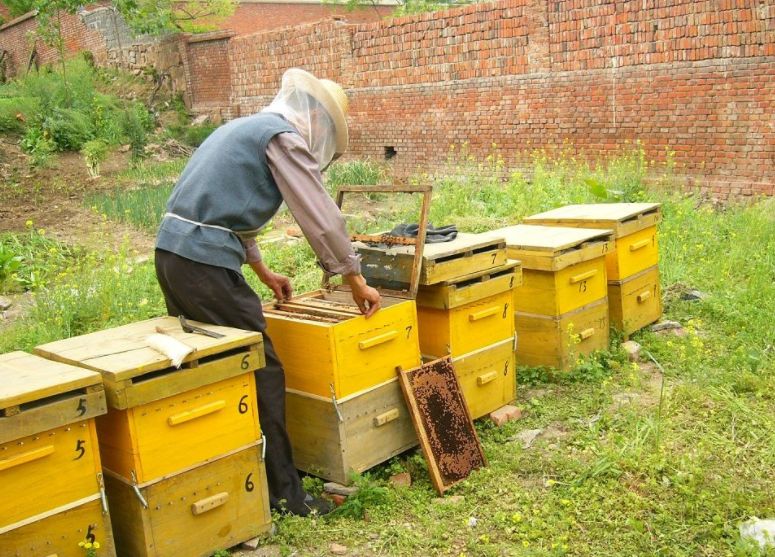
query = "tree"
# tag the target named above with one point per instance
(164, 16)
(18, 7)
(50, 26)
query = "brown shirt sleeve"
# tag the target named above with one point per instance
(298, 178)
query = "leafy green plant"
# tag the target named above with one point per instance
(38, 144)
(136, 123)
(355, 172)
(142, 206)
(370, 495)
(94, 152)
(68, 128)
(195, 135)
(15, 112)
(10, 263)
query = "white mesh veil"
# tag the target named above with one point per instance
(302, 100)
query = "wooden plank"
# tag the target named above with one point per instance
(25, 378)
(443, 424)
(123, 353)
(318, 310)
(622, 218)
(384, 238)
(550, 239)
(54, 414)
(328, 305)
(598, 212)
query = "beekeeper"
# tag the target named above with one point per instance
(232, 186)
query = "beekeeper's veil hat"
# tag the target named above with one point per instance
(317, 108)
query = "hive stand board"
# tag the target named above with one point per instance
(443, 424)
(38, 395)
(134, 373)
(445, 261)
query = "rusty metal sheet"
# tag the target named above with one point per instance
(443, 424)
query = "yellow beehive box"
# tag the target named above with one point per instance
(486, 377)
(194, 513)
(563, 269)
(466, 328)
(332, 438)
(59, 533)
(636, 301)
(49, 455)
(557, 341)
(391, 266)
(634, 226)
(471, 288)
(326, 345)
(163, 419)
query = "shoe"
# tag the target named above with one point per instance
(317, 505)
(311, 505)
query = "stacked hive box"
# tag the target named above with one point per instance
(562, 305)
(633, 275)
(50, 474)
(345, 409)
(464, 309)
(181, 448)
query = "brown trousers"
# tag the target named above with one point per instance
(221, 296)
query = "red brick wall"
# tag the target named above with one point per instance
(208, 55)
(17, 37)
(253, 17)
(690, 77)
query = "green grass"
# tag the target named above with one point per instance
(672, 472)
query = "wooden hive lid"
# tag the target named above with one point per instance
(552, 247)
(26, 378)
(463, 244)
(123, 353)
(622, 218)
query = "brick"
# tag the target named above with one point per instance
(505, 414)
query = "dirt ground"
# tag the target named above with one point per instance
(52, 198)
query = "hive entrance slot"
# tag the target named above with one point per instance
(45, 401)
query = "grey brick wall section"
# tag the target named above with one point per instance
(112, 26)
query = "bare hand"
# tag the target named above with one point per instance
(365, 297)
(279, 284)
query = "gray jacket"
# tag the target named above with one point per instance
(226, 190)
